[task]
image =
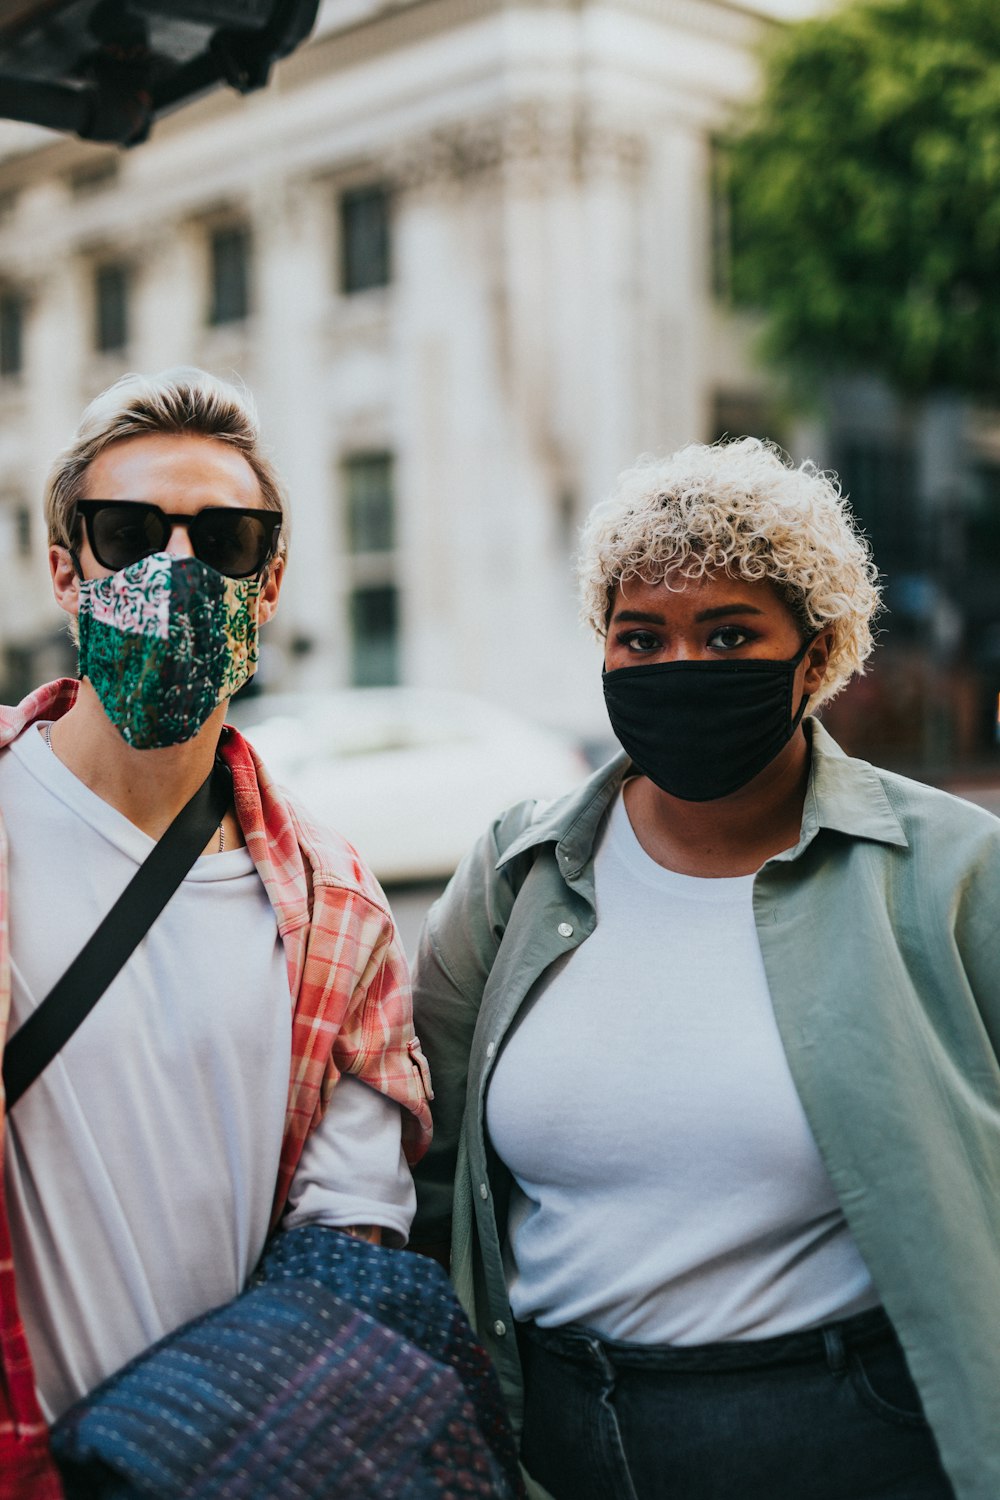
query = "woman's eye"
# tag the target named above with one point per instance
(640, 640)
(728, 637)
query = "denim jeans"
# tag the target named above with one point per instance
(830, 1414)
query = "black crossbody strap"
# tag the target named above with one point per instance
(70, 1001)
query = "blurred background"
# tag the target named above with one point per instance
(472, 257)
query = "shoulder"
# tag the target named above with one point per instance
(950, 849)
(934, 817)
(885, 808)
(335, 863)
(300, 851)
(528, 830)
(478, 896)
(50, 701)
(533, 845)
(918, 797)
(953, 851)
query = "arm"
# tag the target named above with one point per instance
(447, 1019)
(977, 932)
(353, 1016)
(370, 1233)
(352, 1174)
(458, 946)
(376, 1043)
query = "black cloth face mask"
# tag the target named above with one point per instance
(703, 729)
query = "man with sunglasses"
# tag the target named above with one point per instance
(253, 1063)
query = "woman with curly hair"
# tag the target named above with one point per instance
(714, 1039)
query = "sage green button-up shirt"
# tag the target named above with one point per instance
(880, 935)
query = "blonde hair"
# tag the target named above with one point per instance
(185, 401)
(742, 508)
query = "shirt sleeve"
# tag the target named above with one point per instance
(352, 1169)
(457, 950)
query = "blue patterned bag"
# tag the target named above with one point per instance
(345, 1369)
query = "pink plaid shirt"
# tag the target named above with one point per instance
(351, 1014)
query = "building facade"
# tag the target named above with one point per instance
(461, 252)
(468, 257)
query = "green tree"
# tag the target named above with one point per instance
(865, 192)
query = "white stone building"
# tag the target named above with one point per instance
(461, 251)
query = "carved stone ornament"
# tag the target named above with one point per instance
(532, 143)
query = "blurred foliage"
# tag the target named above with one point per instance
(865, 194)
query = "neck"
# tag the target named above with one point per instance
(149, 787)
(731, 835)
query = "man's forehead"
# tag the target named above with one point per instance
(166, 466)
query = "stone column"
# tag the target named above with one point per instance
(293, 259)
(168, 288)
(55, 351)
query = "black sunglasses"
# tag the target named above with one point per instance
(233, 540)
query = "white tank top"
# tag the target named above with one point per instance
(668, 1186)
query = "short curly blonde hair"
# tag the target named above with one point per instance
(741, 507)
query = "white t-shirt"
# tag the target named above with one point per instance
(668, 1186)
(140, 1167)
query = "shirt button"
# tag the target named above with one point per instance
(565, 929)
(484, 1191)
(499, 1328)
(491, 1048)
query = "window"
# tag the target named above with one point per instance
(373, 609)
(879, 475)
(230, 275)
(375, 636)
(984, 517)
(94, 177)
(11, 333)
(22, 530)
(371, 521)
(111, 289)
(744, 413)
(567, 519)
(364, 238)
(15, 528)
(720, 222)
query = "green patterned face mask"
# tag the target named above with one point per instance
(163, 642)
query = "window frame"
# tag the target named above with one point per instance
(102, 270)
(352, 279)
(372, 568)
(223, 313)
(13, 308)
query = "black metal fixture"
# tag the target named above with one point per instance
(107, 69)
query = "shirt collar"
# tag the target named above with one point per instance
(843, 794)
(50, 701)
(571, 822)
(847, 795)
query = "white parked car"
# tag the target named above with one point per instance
(409, 777)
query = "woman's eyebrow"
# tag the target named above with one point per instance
(719, 610)
(638, 616)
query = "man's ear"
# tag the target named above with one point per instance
(271, 589)
(65, 579)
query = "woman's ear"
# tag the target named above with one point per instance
(817, 659)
